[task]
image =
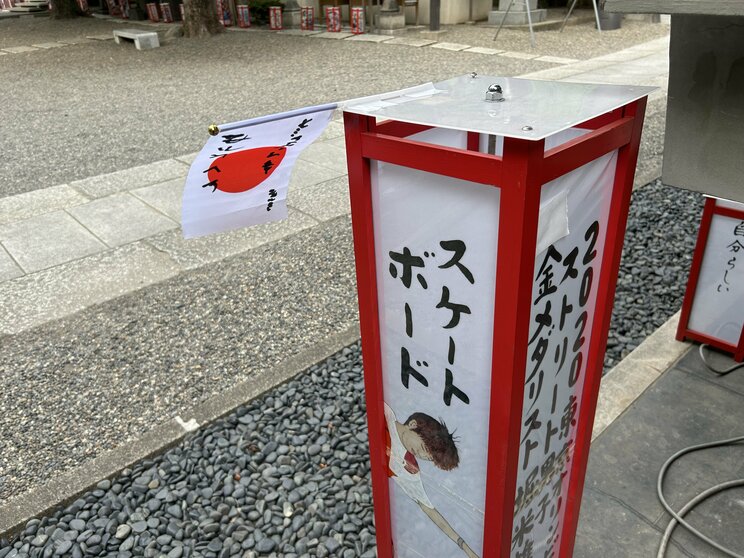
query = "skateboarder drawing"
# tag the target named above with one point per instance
(422, 437)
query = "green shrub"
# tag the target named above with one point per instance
(260, 10)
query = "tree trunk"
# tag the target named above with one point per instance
(65, 9)
(200, 18)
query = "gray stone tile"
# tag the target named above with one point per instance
(369, 38)
(326, 155)
(483, 50)
(196, 252)
(38, 202)
(48, 240)
(54, 293)
(691, 363)
(187, 159)
(129, 179)
(450, 46)
(8, 268)
(166, 197)
(677, 411)
(518, 55)
(410, 42)
(19, 49)
(335, 129)
(609, 529)
(323, 201)
(306, 173)
(49, 45)
(332, 35)
(121, 219)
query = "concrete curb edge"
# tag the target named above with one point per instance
(60, 491)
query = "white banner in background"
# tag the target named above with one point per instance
(241, 176)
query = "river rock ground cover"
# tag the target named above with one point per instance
(288, 474)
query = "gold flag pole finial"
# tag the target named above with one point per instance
(213, 130)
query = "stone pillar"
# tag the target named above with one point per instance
(291, 14)
(391, 18)
(517, 14)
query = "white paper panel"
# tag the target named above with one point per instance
(561, 319)
(417, 211)
(718, 305)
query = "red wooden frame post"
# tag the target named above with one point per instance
(697, 262)
(610, 266)
(519, 211)
(360, 192)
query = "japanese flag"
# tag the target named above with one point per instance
(241, 176)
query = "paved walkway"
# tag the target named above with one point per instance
(680, 403)
(74, 245)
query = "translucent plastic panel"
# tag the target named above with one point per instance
(531, 109)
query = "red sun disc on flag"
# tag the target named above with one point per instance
(243, 170)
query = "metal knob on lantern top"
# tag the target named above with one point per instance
(494, 93)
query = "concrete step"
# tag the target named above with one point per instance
(28, 9)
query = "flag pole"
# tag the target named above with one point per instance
(214, 129)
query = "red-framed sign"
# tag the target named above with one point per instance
(244, 16)
(152, 11)
(713, 307)
(275, 18)
(487, 252)
(307, 18)
(357, 20)
(333, 19)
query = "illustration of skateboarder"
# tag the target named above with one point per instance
(422, 437)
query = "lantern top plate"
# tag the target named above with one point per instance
(530, 109)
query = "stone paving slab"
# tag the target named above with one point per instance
(410, 42)
(332, 35)
(307, 173)
(47, 241)
(450, 46)
(326, 155)
(121, 219)
(8, 268)
(298, 32)
(19, 49)
(48, 45)
(130, 179)
(68, 288)
(196, 252)
(370, 38)
(677, 411)
(103, 37)
(38, 202)
(166, 197)
(556, 59)
(187, 159)
(324, 200)
(519, 55)
(483, 50)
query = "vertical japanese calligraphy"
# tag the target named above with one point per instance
(719, 296)
(566, 275)
(435, 240)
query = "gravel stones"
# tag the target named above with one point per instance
(233, 499)
(293, 477)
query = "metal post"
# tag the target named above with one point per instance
(434, 8)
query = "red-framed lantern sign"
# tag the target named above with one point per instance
(488, 217)
(307, 18)
(713, 307)
(333, 19)
(275, 18)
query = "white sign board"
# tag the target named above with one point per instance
(718, 305)
(564, 296)
(436, 244)
(435, 241)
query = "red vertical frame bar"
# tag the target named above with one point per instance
(518, 217)
(360, 191)
(697, 263)
(610, 265)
